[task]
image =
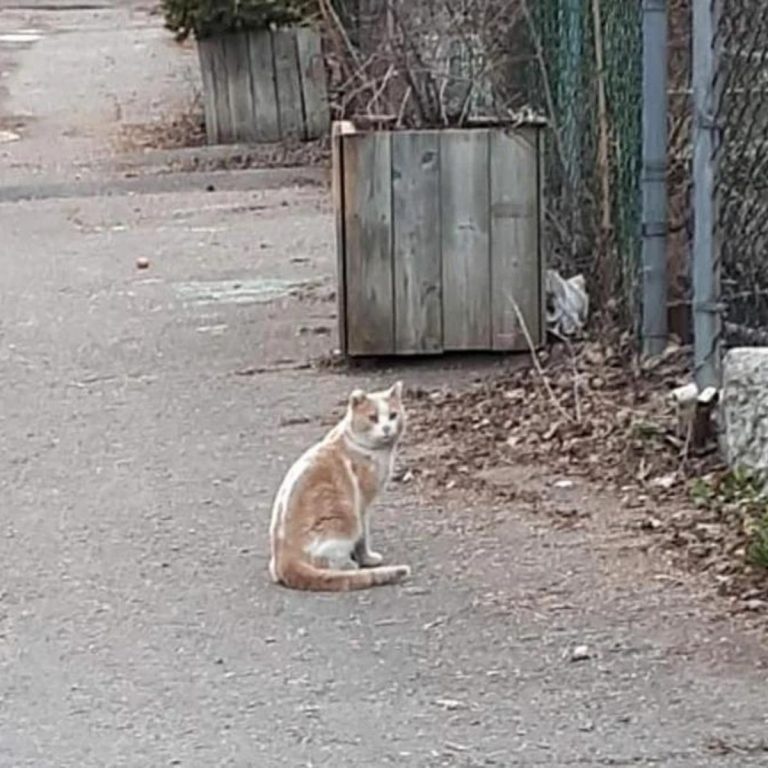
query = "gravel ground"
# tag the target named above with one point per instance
(145, 422)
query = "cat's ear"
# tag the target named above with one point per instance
(396, 391)
(357, 398)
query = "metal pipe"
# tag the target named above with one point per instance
(654, 177)
(706, 278)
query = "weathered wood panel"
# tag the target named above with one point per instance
(221, 90)
(265, 116)
(264, 86)
(289, 97)
(313, 83)
(439, 239)
(367, 194)
(465, 214)
(205, 53)
(514, 237)
(416, 242)
(340, 129)
(238, 84)
(543, 245)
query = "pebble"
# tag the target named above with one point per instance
(581, 653)
(142, 262)
(450, 705)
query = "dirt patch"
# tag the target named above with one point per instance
(298, 154)
(187, 132)
(592, 415)
(180, 131)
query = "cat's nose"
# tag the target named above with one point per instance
(387, 430)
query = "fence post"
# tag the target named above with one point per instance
(654, 176)
(706, 278)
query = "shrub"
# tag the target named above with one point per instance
(206, 18)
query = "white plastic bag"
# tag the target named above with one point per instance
(567, 304)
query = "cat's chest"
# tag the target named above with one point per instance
(372, 473)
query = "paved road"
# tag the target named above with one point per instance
(145, 420)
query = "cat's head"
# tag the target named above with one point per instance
(377, 419)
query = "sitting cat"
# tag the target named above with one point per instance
(319, 533)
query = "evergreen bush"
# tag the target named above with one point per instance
(208, 18)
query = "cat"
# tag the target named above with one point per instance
(320, 535)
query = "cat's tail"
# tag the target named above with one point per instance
(299, 574)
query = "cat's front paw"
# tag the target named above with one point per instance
(371, 559)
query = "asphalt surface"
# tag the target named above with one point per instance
(146, 419)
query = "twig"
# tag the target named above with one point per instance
(406, 49)
(685, 451)
(536, 362)
(403, 104)
(441, 100)
(329, 13)
(380, 90)
(572, 356)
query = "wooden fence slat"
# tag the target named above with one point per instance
(337, 194)
(541, 205)
(514, 238)
(465, 214)
(317, 115)
(266, 119)
(289, 100)
(264, 86)
(221, 90)
(238, 64)
(367, 193)
(416, 244)
(205, 52)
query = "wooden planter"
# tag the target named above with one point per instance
(439, 239)
(264, 86)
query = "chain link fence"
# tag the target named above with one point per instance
(741, 164)
(427, 63)
(679, 179)
(579, 63)
(589, 68)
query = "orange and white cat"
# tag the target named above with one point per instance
(320, 519)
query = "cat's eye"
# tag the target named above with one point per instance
(374, 417)
(392, 416)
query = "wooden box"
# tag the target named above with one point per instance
(439, 239)
(264, 86)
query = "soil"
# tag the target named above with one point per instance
(592, 412)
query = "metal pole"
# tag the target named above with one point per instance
(706, 278)
(654, 176)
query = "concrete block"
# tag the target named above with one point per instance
(745, 408)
